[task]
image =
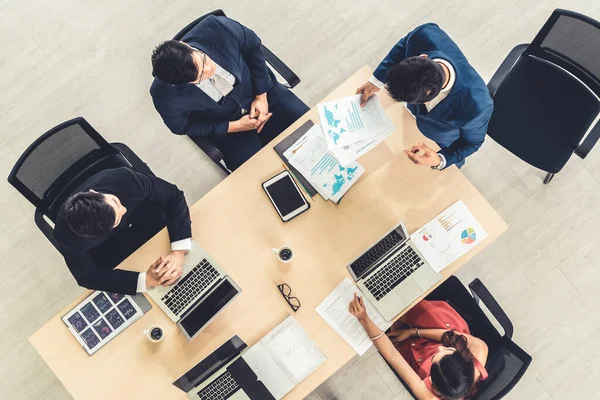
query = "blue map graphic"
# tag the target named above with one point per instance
(334, 123)
(331, 121)
(340, 180)
(338, 184)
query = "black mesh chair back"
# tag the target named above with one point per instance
(547, 94)
(181, 34)
(55, 158)
(506, 362)
(571, 41)
(60, 160)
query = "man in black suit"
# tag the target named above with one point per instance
(112, 214)
(215, 84)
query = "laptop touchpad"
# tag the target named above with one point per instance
(408, 291)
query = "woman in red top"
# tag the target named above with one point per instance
(431, 349)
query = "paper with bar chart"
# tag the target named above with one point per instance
(348, 128)
(448, 236)
(312, 158)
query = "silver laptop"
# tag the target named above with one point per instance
(392, 273)
(201, 293)
(236, 372)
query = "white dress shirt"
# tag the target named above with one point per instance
(183, 244)
(219, 85)
(436, 100)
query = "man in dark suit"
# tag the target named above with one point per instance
(216, 84)
(112, 214)
(449, 100)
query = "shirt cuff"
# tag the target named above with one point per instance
(141, 283)
(443, 162)
(183, 244)
(376, 82)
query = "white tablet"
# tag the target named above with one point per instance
(285, 196)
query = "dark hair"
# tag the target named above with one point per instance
(415, 80)
(172, 62)
(453, 376)
(88, 214)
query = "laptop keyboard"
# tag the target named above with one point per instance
(397, 269)
(379, 249)
(190, 286)
(220, 388)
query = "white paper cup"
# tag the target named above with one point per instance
(155, 333)
(284, 254)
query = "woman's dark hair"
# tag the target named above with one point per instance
(172, 62)
(88, 214)
(453, 376)
(415, 80)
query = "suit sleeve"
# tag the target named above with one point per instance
(250, 47)
(88, 275)
(182, 122)
(167, 195)
(472, 135)
(396, 54)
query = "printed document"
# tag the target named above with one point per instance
(311, 157)
(448, 236)
(345, 123)
(334, 310)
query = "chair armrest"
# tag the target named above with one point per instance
(45, 227)
(588, 142)
(211, 151)
(290, 77)
(481, 293)
(505, 68)
(133, 159)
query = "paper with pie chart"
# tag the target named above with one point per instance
(448, 236)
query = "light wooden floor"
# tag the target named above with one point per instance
(64, 58)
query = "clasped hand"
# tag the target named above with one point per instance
(423, 155)
(259, 110)
(166, 270)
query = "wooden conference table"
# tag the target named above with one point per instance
(238, 226)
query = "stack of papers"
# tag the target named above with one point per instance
(448, 236)
(334, 310)
(311, 157)
(349, 130)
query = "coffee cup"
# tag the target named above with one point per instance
(284, 254)
(155, 333)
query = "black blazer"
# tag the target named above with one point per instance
(186, 109)
(146, 199)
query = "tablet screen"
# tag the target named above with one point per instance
(285, 195)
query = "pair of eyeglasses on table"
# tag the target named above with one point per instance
(286, 292)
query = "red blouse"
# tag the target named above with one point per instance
(429, 315)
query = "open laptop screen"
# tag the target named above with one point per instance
(207, 308)
(208, 366)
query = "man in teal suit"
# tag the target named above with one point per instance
(445, 94)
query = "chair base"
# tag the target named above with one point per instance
(548, 178)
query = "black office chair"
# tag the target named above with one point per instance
(61, 159)
(546, 94)
(291, 80)
(506, 361)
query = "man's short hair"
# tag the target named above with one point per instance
(415, 80)
(88, 214)
(172, 62)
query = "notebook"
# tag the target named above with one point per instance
(285, 144)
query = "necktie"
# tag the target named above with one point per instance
(221, 85)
